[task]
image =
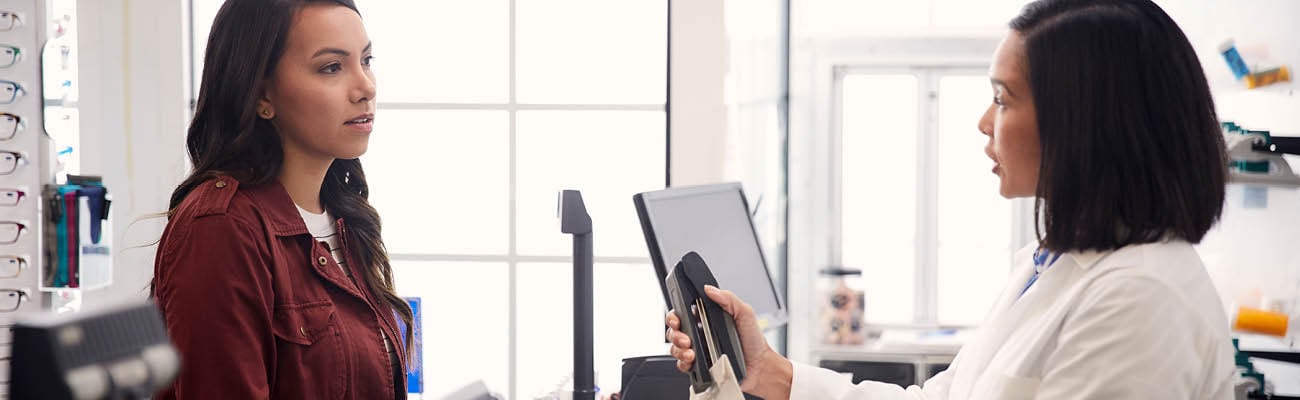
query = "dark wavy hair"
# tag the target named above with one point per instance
(1131, 147)
(227, 138)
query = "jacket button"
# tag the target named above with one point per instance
(221, 184)
(302, 331)
(322, 260)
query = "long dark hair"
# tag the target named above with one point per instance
(227, 138)
(1131, 147)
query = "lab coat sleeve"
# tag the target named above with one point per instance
(812, 383)
(1129, 337)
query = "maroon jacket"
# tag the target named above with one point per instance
(258, 309)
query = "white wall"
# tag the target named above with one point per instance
(1249, 254)
(1267, 33)
(697, 122)
(133, 101)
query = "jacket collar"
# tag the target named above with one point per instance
(281, 213)
(1086, 259)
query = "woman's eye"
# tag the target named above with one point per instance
(331, 68)
(367, 60)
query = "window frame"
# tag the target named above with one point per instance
(929, 73)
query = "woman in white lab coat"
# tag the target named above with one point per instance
(1100, 111)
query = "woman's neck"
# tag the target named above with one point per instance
(302, 176)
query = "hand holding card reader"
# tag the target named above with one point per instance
(711, 329)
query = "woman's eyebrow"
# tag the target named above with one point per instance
(341, 52)
(1003, 84)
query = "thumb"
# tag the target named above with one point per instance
(725, 299)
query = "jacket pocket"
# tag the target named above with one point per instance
(310, 362)
(304, 324)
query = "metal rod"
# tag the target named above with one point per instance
(574, 220)
(584, 385)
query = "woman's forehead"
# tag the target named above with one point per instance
(1008, 65)
(322, 25)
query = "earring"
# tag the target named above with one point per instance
(266, 112)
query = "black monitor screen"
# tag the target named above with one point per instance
(713, 221)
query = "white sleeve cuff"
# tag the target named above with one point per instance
(812, 383)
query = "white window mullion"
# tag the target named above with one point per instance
(513, 249)
(927, 196)
(836, 161)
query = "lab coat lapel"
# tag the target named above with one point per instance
(972, 357)
(1013, 312)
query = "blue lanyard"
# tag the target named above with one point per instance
(1041, 263)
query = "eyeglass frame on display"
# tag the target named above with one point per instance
(17, 20)
(20, 192)
(19, 125)
(22, 228)
(18, 54)
(19, 158)
(19, 91)
(22, 265)
(22, 294)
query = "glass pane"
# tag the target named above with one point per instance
(879, 189)
(440, 180)
(756, 50)
(544, 328)
(454, 51)
(608, 155)
(975, 222)
(755, 148)
(628, 316)
(755, 89)
(591, 51)
(203, 11)
(846, 17)
(975, 14)
(480, 348)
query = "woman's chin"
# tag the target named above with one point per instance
(1008, 192)
(352, 153)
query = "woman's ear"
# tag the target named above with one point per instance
(265, 109)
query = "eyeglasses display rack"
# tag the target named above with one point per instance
(54, 232)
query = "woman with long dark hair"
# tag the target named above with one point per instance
(271, 274)
(1101, 112)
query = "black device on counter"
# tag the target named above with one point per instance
(653, 378)
(711, 329)
(120, 352)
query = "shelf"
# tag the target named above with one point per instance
(896, 344)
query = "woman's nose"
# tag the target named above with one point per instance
(985, 124)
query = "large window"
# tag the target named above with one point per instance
(847, 18)
(919, 208)
(487, 108)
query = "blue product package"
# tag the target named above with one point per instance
(415, 371)
(98, 207)
(1235, 63)
(61, 229)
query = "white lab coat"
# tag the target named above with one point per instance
(1142, 322)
